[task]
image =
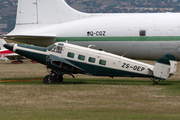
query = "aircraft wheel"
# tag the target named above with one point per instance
(48, 79)
(58, 78)
(155, 83)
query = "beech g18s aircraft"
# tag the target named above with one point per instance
(139, 35)
(65, 58)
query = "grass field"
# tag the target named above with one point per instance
(85, 97)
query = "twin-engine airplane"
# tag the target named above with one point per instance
(65, 58)
(140, 35)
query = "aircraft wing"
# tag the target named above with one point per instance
(14, 56)
(35, 39)
(64, 65)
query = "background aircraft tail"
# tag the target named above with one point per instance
(2, 42)
(35, 17)
(46, 12)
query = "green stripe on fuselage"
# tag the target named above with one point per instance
(133, 38)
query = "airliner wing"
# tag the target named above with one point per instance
(33, 38)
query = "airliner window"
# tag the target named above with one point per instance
(71, 55)
(92, 60)
(102, 62)
(142, 33)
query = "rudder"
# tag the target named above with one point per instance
(46, 12)
(165, 67)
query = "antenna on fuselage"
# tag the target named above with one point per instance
(124, 54)
(91, 45)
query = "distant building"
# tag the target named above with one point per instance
(174, 0)
(3, 26)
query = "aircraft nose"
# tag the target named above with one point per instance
(9, 46)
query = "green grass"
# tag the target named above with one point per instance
(90, 99)
(85, 97)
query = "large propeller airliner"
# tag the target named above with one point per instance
(137, 35)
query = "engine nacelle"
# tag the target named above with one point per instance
(61, 65)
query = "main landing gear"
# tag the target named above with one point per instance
(53, 78)
(50, 79)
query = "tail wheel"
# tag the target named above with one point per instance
(48, 79)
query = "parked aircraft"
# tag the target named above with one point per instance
(6, 54)
(140, 35)
(65, 58)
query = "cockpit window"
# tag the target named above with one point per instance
(58, 49)
(60, 44)
(51, 47)
(54, 48)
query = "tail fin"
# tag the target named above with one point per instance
(173, 63)
(165, 67)
(2, 42)
(46, 12)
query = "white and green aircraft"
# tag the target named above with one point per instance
(138, 35)
(65, 58)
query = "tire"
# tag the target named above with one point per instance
(48, 79)
(58, 78)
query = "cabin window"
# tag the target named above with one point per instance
(102, 62)
(92, 60)
(142, 33)
(70, 54)
(81, 57)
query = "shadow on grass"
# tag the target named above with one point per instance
(98, 81)
(117, 82)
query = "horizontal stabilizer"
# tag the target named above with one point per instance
(35, 39)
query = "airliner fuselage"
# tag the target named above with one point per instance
(134, 35)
